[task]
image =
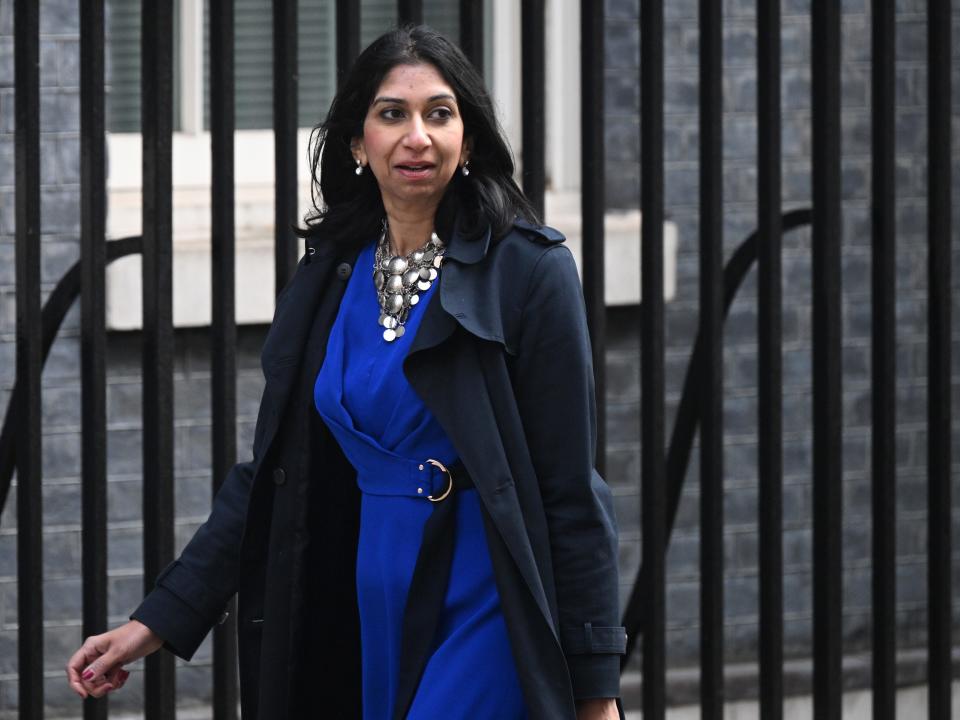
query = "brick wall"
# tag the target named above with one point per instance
(740, 361)
(60, 197)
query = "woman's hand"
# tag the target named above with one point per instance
(598, 709)
(97, 667)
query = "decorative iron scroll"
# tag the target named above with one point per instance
(687, 419)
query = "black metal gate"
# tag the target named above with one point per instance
(663, 463)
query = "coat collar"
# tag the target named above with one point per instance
(479, 296)
(467, 252)
(441, 316)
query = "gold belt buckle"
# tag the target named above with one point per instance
(437, 463)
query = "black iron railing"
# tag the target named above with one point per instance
(827, 408)
(940, 60)
(93, 361)
(652, 411)
(223, 341)
(28, 424)
(769, 361)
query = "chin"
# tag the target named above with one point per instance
(419, 193)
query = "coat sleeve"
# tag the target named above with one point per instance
(192, 592)
(555, 393)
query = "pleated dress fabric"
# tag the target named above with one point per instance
(387, 434)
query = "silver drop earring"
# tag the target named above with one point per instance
(359, 170)
(465, 170)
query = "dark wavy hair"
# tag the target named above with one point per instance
(347, 208)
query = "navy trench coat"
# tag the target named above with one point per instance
(502, 358)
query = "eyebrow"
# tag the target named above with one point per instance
(401, 101)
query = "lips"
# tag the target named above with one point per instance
(414, 170)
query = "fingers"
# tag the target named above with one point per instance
(97, 688)
(119, 679)
(98, 669)
(98, 691)
(114, 680)
(117, 676)
(104, 656)
(77, 664)
(77, 686)
(95, 668)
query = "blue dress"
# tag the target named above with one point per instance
(386, 432)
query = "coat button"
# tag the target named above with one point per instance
(344, 270)
(279, 476)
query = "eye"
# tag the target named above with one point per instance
(391, 113)
(441, 113)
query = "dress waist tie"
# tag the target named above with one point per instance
(428, 587)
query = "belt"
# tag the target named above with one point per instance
(380, 473)
(428, 587)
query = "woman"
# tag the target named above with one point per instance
(420, 532)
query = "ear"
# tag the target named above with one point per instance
(466, 150)
(358, 150)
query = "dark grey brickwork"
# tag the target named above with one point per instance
(740, 365)
(59, 105)
(60, 160)
(61, 499)
(61, 442)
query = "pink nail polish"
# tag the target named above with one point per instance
(87, 674)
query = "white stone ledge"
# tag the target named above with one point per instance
(254, 254)
(621, 259)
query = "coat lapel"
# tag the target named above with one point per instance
(451, 381)
(437, 324)
(440, 319)
(455, 383)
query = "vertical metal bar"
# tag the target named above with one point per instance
(654, 497)
(769, 359)
(157, 123)
(592, 185)
(939, 64)
(285, 139)
(711, 334)
(410, 11)
(883, 380)
(348, 36)
(533, 73)
(223, 318)
(93, 337)
(29, 469)
(827, 409)
(471, 31)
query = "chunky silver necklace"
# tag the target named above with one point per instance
(400, 280)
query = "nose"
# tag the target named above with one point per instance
(417, 137)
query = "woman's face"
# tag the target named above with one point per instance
(413, 137)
